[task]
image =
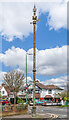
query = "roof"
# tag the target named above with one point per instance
(3, 84)
(40, 85)
(8, 91)
(48, 96)
(53, 87)
(4, 96)
(22, 95)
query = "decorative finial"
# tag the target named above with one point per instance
(34, 6)
(34, 9)
(34, 17)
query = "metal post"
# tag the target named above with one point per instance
(26, 76)
(34, 61)
(34, 17)
(34, 69)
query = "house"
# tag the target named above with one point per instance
(48, 92)
(42, 92)
(5, 92)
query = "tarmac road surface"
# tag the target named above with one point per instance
(60, 111)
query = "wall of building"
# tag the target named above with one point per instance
(3, 90)
(45, 92)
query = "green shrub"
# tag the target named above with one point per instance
(20, 101)
(66, 99)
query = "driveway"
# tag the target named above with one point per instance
(61, 112)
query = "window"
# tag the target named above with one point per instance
(37, 91)
(49, 91)
(22, 90)
(3, 92)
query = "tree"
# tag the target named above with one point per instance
(14, 81)
(65, 95)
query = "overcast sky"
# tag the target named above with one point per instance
(16, 35)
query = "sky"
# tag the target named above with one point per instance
(16, 39)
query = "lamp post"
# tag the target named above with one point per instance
(26, 76)
(34, 17)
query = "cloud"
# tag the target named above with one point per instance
(56, 18)
(1, 76)
(56, 11)
(15, 20)
(34, 1)
(49, 62)
(15, 17)
(52, 62)
(60, 81)
(14, 57)
(28, 79)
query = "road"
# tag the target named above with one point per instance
(61, 112)
(46, 111)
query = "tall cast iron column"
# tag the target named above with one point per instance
(34, 60)
(34, 17)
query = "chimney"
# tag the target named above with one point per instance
(3, 84)
(37, 81)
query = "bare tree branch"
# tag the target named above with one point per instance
(14, 80)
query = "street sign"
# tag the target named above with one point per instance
(26, 91)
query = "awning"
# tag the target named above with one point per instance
(48, 96)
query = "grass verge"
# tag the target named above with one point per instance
(64, 106)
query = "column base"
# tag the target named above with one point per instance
(33, 111)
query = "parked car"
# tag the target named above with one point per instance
(37, 103)
(3, 102)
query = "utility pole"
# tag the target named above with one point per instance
(34, 17)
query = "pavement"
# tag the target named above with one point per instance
(42, 115)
